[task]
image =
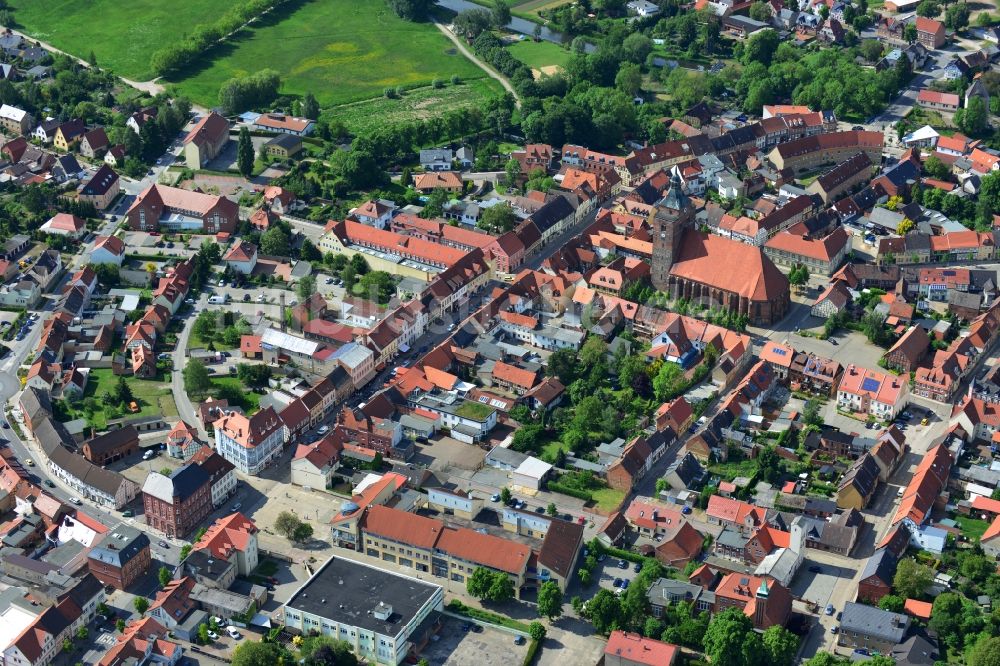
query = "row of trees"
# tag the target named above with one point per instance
(176, 56)
(251, 91)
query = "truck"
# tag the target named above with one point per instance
(219, 299)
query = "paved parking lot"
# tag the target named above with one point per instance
(490, 647)
(818, 587)
(609, 570)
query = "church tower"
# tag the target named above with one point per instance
(672, 216)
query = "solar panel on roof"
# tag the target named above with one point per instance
(870, 384)
(779, 351)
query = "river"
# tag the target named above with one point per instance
(517, 24)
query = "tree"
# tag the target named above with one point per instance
(253, 653)
(536, 629)
(275, 242)
(82, 633)
(726, 637)
(411, 10)
(780, 646)
(473, 22)
(326, 651)
(905, 226)
(478, 584)
(550, 600)
(302, 532)
(67, 645)
(123, 393)
(501, 13)
(497, 219)
(551, 509)
(629, 79)
(505, 495)
(253, 374)
(141, 604)
(286, 523)
(513, 171)
(501, 589)
(975, 120)
(910, 30)
(164, 576)
(310, 107)
(871, 49)
(760, 11)
(203, 634)
(892, 603)
(985, 653)
(244, 153)
(197, 381)
(912, 579)
(604, 611)
(305, 288)
(120, 625)
(378, 286)
(936, 168)
(761, 47)
(637, 47)
(956, 16)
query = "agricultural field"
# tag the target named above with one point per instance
(417, 104)
(122, 35)
(540, 55)
(340, 50)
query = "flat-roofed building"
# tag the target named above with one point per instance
(382, 615)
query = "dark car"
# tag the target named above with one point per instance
(246, 298)
(48, 482)
(840, 614)
(637, 568)
(618, 582)
(477, 629)
(815, 569)
(622, 564)
(466, 626)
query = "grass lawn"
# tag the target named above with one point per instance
(608, 499)
(232, 389)
(122, 35)
(550, 450)
(539, 54)
(731, 470)
(418, 103)
(972, 528)
(340, 50)
(153, 396)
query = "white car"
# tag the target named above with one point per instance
(235, 635)
(76, 500)
(323, 429)
(212, 635)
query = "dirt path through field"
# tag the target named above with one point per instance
(479, 63)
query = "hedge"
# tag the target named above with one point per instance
(529, 658)
(456, 606)
(556, 487)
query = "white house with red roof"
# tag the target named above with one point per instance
(233, 539)
(877, 394)
(250, 443)
(64, 224)
(242, 257)
(108, 250)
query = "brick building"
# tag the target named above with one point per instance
(179, 503)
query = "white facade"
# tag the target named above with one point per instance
(223, 488)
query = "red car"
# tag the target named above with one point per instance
(581, 520)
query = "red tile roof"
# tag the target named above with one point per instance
(935, 97)
(228, 535)
(635, 649)
(748, 273)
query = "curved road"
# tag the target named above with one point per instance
(479, 63)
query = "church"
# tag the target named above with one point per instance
(713, 270)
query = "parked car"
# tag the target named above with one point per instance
(829, 609)
(686, 510)
(163, 544)
(815, 569)
(76, 500)
(637, 568)
(622, 564)
(519, 640)
(495, 497)
(233, 633)
(48, 482)
(213, 636)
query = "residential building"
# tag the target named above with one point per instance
(858, 483)
(251, 444)
(108, 250)
(111, 446)
(232, 539)
(766, 604)
(282, 124)
(876, 577)
(205, 140)
(313, 465)
(869, 628)
(876, 394)
(931, 34)
(221, 474)
(102, 188)
(15, 120)
(120, 557)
